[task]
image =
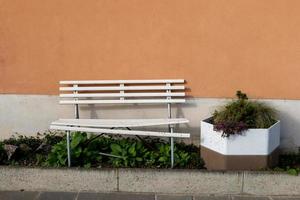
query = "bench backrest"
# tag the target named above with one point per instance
(122, 91)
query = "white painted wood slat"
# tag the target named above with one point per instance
(119, 123)
(125, 101)
(156, 81)
(123, 132)
(118, 88)
(162, 94)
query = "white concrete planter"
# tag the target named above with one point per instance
(254, 143)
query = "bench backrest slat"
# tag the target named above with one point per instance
(122, 101)
(104, 95)
(118, 88)
(84, 82)
(122, 91)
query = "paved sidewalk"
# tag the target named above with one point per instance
(18, 195)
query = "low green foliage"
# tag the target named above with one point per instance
(91, 151)
(241, 114)
(293, 171)
(125, 152)
(50, 150)
(290, 163)
(29, 151)
(128, 152)
(85, 152)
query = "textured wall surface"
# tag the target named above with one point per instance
(218, 46)
(29, 114)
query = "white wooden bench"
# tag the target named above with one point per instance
(121, 92)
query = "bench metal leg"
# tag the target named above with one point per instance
(171, 130)
(68, 148)
(172, 147)
(172, 152)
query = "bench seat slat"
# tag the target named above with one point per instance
(118, 88)
(123, 132)
(125, 101)
(158, 94)
(79, 82)
(119, 123)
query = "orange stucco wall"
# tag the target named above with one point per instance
(218, 46)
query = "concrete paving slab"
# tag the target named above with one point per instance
(17, 195)
(57, 196)
(114, 196)
(63, 179)
(172, 197)
(32, 195)
(264, 183)
(212, 197)
(285, 198)
(179, 181)
(250, 198)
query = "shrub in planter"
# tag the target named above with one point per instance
(242, 114)
(243, 134)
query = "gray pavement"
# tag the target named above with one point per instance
(26, 195)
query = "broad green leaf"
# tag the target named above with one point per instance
(132, 150)
(116, 148)
(75, 141)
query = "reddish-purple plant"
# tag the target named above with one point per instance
(241, 114)
(230, 128)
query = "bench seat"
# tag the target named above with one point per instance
(120, 131)
(119, 123)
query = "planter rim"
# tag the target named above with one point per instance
(277, 122)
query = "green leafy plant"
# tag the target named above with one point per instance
(164, 155)
(50, 149)
(127, 153)
(293, 171)
(241, 114)
(182, 158)
(195, 160)
(153, 153)
(183, 155)
(82, 154)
